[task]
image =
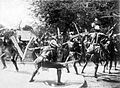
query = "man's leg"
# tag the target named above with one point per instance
(110, 66)
(75, 67)
(38, 62)
(115, 62)
(2, 57)
(59, 75)
(34, 73)
(3, 62)
(59, 72)
(14, 60)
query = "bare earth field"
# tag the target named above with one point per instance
(46, 78)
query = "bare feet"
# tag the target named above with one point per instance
(60, 83)
(116, 69)
(103, 71)
(4, 67)
(82, 72)
(110, 73)
(31, 80)
(95, 75)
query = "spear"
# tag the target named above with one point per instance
(19, 25)
(111, 28)
(76, 27)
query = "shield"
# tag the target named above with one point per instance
(16, 45)
(23, 57)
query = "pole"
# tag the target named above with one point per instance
(76, 27)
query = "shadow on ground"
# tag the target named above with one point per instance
(53, 83)
(114, 77)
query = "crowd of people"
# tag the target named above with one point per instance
(96, 46)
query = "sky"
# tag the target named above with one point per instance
(12, 12)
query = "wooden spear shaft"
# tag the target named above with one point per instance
(76, 27)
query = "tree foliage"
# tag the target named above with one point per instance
(62, 14)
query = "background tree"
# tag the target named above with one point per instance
(1, 26)
(62, 14)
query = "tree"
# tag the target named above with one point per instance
(1, 26)
(62, 14)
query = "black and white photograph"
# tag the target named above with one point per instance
(59, 44)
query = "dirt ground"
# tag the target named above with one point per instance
(10, 78)
(104, 80)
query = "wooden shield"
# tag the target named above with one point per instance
(16, 45)
(23, 57)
